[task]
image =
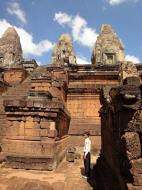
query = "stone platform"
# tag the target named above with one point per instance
(44, 161)
(68, 176)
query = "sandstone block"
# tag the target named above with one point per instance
(136, 123)
(21, 131)
(43, 132)
(133, 187)
(136, 167)
(22, 124)
(36, 125)
(131, 145)
(30, 104)
(44, 124)
(137, 180)
(36, 119)
(32, 132)
(29, 125)
(29, 118)
(52, 133)
(15, 124)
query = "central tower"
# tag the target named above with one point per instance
(63, 52)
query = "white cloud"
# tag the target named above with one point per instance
(117, 2)
(132, 58)
(28, 46)
(62, 18)
(15, 9)
(78, 23)
(82, 60)
(81, 33)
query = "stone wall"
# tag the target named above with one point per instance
(83, 100)
(119, 164)
(84, 114)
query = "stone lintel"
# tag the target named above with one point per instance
(90, 89)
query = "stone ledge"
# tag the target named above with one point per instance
(30, 162)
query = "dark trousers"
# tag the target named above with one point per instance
(87, 165)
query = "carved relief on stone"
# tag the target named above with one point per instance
(10, 48)
(136, 123)
(108, 48)
(127, 69)
(63, 52)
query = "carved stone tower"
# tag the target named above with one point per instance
(108, 48)
(10, 48)
(63, 53)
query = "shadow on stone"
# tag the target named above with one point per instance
(92, 180)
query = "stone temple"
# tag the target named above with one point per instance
(46, 109)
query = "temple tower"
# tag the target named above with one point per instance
(63, 53)
(10, 48)
(108, 48)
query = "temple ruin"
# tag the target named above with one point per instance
(121, 146)
(108, 48)
(45, 109)
(10, 48)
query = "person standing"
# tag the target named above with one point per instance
(87, 155)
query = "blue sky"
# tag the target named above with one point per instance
(41, 22)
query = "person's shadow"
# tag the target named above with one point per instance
(90, 180)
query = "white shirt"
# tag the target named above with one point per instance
(87, 146)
